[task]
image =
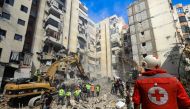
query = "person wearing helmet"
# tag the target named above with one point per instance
(156, 89)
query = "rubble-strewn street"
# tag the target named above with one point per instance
(106, 100)
(94, 54)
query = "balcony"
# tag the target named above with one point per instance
(50, 16)
(44, 68)
(55, 7)
(51, 27)
(26, 59)
(114, 59)
(184, 24)
(47, 56)
(181, 14)
(82, 37)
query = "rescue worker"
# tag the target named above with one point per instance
(42, 99)
(88, 89)
(68, 97)
(113, 87)
(92, 88)
(97, 90)
(84, 92)
(47, 100)
(121, 88)
(61, 96)
(77, 94)
(156, 89)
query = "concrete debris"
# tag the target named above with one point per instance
(120, 105)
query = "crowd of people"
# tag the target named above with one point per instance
(117, 86)
(65, 93)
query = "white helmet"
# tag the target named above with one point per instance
(151, 62)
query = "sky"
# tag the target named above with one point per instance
(101, 9)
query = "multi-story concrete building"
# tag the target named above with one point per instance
(82, 35)
(50, 34)
(14, 16)
(182, 19)
(109, 44)
(91, 48)
(152, 30)
(61, 28)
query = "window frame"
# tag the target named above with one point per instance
(8, 2)
(22, 22)
(22, 8)
(20, 39)
(6, 17)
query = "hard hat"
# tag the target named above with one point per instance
(151, 62)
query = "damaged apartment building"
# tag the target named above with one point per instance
(14, 16)
(38, 32)
(109, 45)
(153, 32)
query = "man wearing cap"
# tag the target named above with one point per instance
(156, 89)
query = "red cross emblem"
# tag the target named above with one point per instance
(158, 95)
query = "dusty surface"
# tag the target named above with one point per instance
(106, 100)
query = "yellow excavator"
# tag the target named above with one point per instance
(24, 87)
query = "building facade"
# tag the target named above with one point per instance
(182, 19)
(153, 31)
(14, 16)
(109, 45)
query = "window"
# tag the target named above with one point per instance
(21, 22)
(0, 52)
(24, 8)
(6, 15)
(1, 3)
(144, 44)
(3, 32)
(98, 49)
(180, 10)
(10, 2)
(182, 19)
(142, 33)
(185, 29)
(18, 37)
(144, 55)
(113, 52)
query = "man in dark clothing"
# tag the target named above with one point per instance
(47, 100)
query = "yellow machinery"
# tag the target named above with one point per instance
(26, 88)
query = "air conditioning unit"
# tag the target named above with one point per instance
(2, 37)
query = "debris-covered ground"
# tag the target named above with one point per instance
(106, 100)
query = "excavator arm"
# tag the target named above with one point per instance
(68, 61)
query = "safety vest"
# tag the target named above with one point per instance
(61, 92)
(92, 88)
(88, 86)
(97, 88)
(77, 93)
(68, 94)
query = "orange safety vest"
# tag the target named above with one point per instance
(92, 88)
